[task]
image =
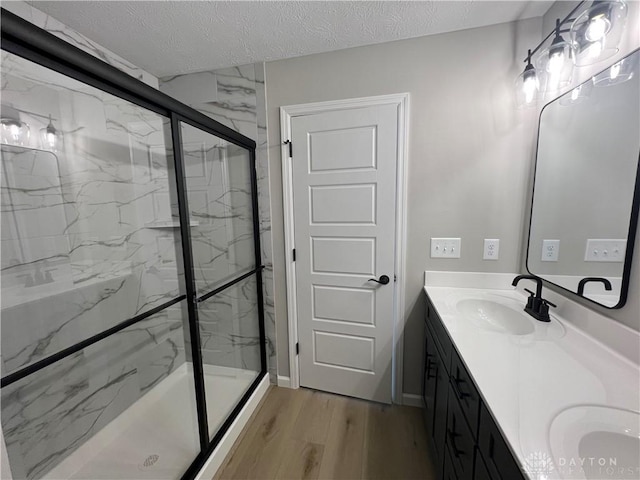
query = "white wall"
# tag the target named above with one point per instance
(470, 149)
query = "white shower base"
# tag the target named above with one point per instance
(157, 437)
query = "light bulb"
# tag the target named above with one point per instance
(554, 81)
(557, 54)
(598, 27)
(16, 132)
(594, 50)
(575, 93)
(556, 62)
(615, 70)
(529, 87)
(13, 131)
(51, 139)
(527, 84)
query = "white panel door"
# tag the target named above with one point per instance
(344, 197)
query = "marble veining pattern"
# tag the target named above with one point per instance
(264, 213)
(83, 248)
(51, 413)
(79, 218)
(229, 327)
(103, 210)
(235, 97)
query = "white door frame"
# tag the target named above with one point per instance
(401, 100)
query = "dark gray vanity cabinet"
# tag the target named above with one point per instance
(448, 472)
(465, 440)
(480, 470)
(460, 439)
(435, 392)
(497, 456)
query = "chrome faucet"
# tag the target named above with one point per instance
(537, 306)
(584, 281)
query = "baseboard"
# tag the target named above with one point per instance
(216, 459)
(284, 381)
(412, 400)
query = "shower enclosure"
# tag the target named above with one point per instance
(132, 326)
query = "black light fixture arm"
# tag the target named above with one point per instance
(555, 31)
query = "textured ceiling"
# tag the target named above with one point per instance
(172, 37)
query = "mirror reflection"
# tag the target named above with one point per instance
(586, 176)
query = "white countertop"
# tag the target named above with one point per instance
(527, 380)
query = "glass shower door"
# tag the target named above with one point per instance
(128, 318)
(96, 374)
(219, 185)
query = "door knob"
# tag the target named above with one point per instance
(383, 280)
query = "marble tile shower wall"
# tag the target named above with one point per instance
(81, 251)
(221, 225)
(236, 97)
(229, 328)
(232, 96)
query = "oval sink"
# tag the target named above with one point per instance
(496, 316)
(596, 441)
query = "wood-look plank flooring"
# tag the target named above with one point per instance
(307, 434)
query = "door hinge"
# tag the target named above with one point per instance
(294, 254)
(297, 348)
(288, 142)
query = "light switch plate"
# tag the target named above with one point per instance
(605, 250)
(550, 250)
(491, 249)
(445, 247)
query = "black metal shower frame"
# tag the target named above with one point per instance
(24, 39)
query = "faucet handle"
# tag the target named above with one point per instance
(530, 300)
(543, 310)
(547, 302)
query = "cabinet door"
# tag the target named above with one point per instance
(466, 393)
(440, 335)
(497, 456)
(480, 470)
(460, 440)
(440, 408)
(448, 473)
(429, 387)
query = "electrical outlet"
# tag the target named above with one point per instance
(445, 247)
(603, 250)
(550, 250)
(491, 249)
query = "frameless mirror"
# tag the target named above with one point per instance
(587, 186)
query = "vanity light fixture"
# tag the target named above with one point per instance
(527, 84)
(598, 23)
(557, 61)
(51, 137)
(595, 34)
(559, 53)
(597, 31)
(12, 130)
